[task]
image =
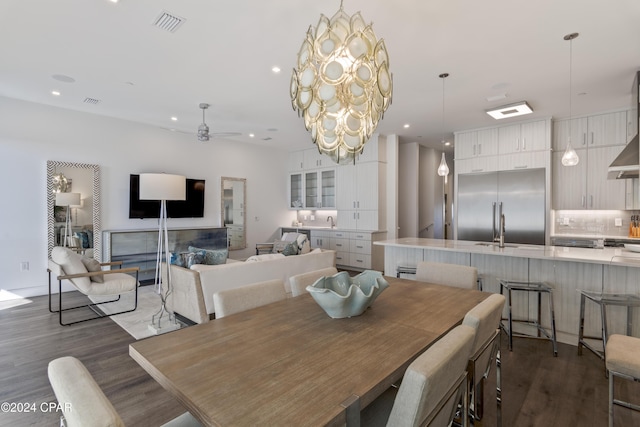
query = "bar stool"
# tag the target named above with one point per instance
(539, 288)
(622, 362)
(404, 270)
(603, 300)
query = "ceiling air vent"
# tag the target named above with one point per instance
(92, 101)
(168, 21)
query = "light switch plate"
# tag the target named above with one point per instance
(618, 222)
(565, 221)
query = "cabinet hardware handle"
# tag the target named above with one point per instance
(517, 144)
(591, 200)
(479, 149)
(477, 170)
(520, 167)
(474, 150)
(592, 138)
(524, 143)
(584, 138)
(359, 247)
(582, 203)
(338, 244)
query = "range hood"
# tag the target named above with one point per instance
(627, 164)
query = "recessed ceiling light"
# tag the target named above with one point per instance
(175, 119)
(407, 125)
(276, 69)
(511, 110)
(251, 135)
(55, 93)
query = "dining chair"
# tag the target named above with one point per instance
(235, 300)
(485, 319)
(82, 401)
(431, 386)
(459, 276)
(299, 282)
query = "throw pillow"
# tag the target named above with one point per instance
(71, 264)
(285, 248)
(196, 257)
(178, 258)
(212, 256)
(93, 265)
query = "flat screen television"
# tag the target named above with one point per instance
(193, 207)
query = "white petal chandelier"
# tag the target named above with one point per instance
(342, 85)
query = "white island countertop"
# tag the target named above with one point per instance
(617, 256)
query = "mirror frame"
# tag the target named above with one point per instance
(51, 198)
(244, 216)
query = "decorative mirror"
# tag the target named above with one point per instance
(232, 210)
(84, 218)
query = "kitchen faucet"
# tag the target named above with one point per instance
(330, 218)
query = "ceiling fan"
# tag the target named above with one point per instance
(203, 129)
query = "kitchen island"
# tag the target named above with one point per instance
(612, 270)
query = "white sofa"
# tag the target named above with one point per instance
(193, 289)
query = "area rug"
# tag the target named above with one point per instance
(137, 322)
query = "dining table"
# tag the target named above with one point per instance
(289, 364)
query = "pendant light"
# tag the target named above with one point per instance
(203, 129)
(570, 157)
(443, 169)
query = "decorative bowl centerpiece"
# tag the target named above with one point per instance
(343, 296)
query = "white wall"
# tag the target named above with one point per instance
(408, 159)
(31, 134)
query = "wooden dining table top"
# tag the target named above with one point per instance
(289, 363)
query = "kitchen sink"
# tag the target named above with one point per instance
(506, 245)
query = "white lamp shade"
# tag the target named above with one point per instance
(162, 186)
(67, 199)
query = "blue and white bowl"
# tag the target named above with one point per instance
(343, 296)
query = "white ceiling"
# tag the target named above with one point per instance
(224, 52)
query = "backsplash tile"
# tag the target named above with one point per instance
(590, 223)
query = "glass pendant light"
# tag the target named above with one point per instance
(443, 169)
(570, 157)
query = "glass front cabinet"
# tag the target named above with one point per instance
(313, 189)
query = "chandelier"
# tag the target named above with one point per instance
(341, 85)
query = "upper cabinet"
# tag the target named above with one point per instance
(600, 130)
(476, 143)
(597, 140)
(530, 136)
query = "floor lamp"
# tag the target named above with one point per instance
(163, 187)
(67, 200)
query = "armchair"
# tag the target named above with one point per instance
(290, 244)
(87, 276)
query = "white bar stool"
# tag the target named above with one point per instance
(622, 361)
(538, 288)
(603, 300)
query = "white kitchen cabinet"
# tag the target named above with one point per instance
(314, 160)
(296, 160)
(471, 144)
(320, 189)
(524, 160)
(530, 136)
(477, 164)
(320, 239)
(296, 191)
(632, 124)
(594, 131)
(358, 198)
(585, 186)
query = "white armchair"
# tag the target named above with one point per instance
(87, 276)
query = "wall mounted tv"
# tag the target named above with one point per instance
(193, 207)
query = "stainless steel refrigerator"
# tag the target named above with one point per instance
(519, 193)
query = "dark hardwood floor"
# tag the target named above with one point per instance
(538, 389)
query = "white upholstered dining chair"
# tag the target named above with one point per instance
(431, 387)
(459, 276)
(299, 282)
(235, 300)
(84, 402)
(485, 319)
